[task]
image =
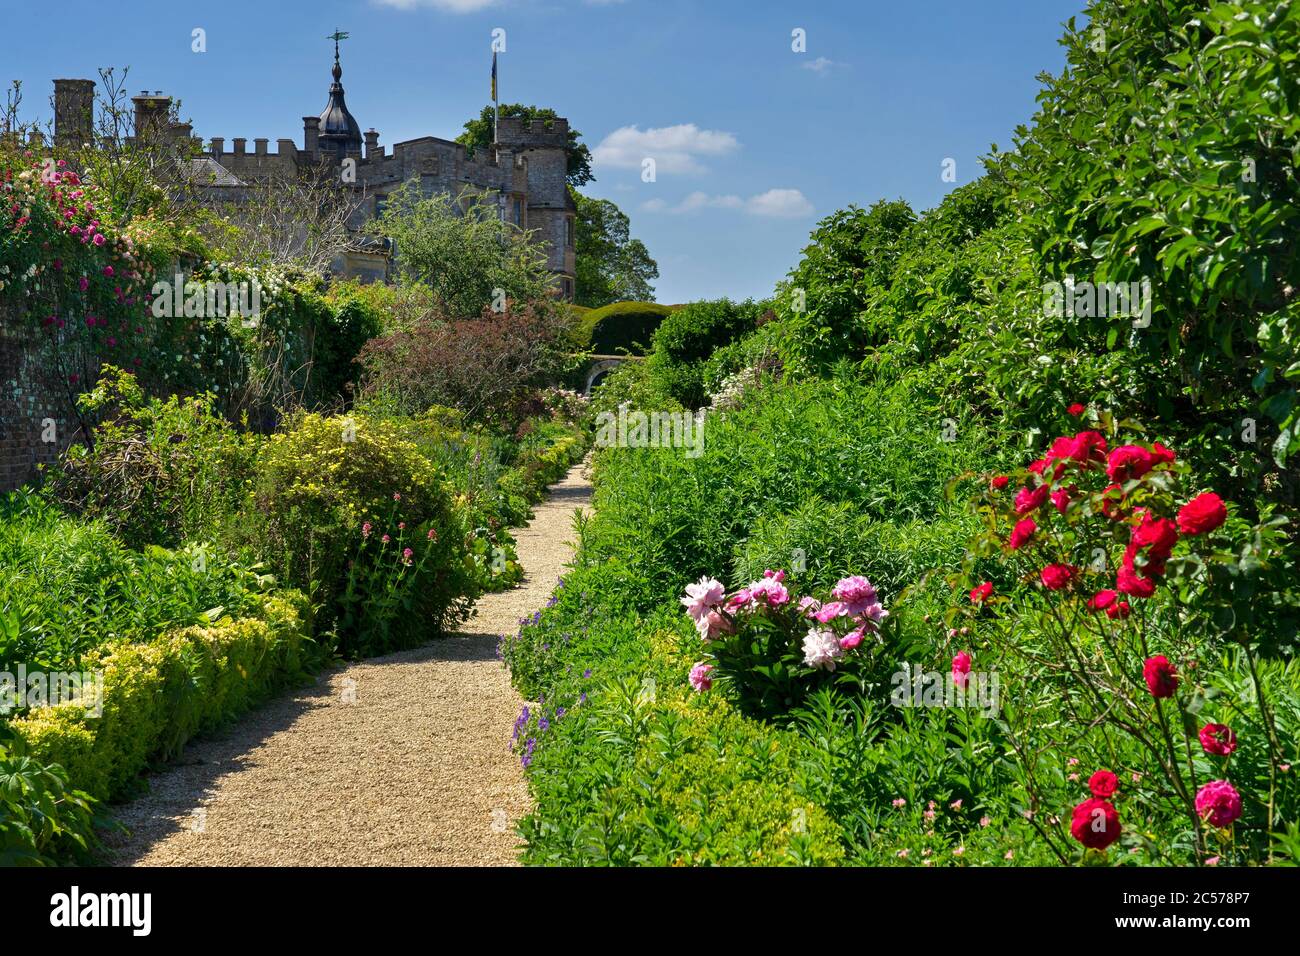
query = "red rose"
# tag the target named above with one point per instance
(1029, 499)
(1161, 676)
(1057, 576)
(1157, 535)
(1162, 455)
(1128, 582)
(1039, 466)
(999, 482)
(981, 592)
(1077, 409)
(1203, 513)
(1120, 609)
(1083, 449)
(1103, 783)
(1095, 823)
(1102, 600)
(1061, 498)
(961, 662)
(1218, 803)
(1112, 502)
(1021, 533)
(1218, 739)
(1129, 461)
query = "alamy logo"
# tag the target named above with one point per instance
(74, 909)
(1083, 300)
(914, 687)
(651, 430)
(207, 299)
(24, 689)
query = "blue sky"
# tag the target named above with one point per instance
(753, 141)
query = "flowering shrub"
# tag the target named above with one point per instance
(775, 650)
(1125, 593)
(355, 513)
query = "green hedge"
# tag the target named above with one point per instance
(622, 327)
(160, 693)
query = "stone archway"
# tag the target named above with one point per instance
(600, 369)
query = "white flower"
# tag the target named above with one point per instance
(821, 648)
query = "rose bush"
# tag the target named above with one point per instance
(1117, 609)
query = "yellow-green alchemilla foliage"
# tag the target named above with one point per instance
(157, 694)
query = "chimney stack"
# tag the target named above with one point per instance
(74, 112)
(152, 113)
(373, 149)
(311, 135)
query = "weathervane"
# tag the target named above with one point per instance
(336, 36)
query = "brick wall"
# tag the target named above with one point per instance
(27, 401)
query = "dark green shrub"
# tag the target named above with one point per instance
(621, 327)
(687, 337)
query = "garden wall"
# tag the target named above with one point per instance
(27, 399)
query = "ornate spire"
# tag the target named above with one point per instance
(339, 131)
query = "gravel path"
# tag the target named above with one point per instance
(399, 760)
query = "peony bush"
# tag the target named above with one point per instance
(774, 649)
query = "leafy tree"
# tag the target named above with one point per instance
(611, 265)
(1167, 151)
(462, 250)
(478, 135)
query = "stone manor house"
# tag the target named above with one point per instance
(524, 172)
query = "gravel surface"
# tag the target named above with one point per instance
(399, 760)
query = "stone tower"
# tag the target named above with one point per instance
(551, 211)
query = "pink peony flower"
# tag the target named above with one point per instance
(770, 591)
(821, 649)
(856, 592)
(831, 610)
(700, 679)
(701, 597)
(851, 639)
(713, 624)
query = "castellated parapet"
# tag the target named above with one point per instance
(524, 172)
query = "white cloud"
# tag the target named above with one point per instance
(702, 200)
(821, 66)
(775, 203)
(780, 203)
(447, 6)
(675, 149)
